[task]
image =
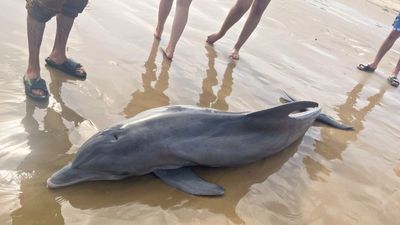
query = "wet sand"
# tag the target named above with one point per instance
(308, 48)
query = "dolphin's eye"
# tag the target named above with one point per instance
(115, 137)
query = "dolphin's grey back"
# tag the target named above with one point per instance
(247, 137)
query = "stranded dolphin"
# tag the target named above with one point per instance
(166, 141)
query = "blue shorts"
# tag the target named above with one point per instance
(396, 23)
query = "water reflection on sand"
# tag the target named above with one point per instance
(48, 140)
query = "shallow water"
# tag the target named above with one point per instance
(308, 48)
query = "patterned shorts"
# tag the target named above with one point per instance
(44, 10)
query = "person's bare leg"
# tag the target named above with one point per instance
(256, 12)
(35, 36)
(58, 54)
(180, 20)
(385, 47)
(234, 15)
(163, 12)
(396, 69)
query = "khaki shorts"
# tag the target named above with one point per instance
(44, 10)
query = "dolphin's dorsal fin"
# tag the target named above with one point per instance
(186, 180)
(283, 110)
(323, 118)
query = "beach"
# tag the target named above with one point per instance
(307, 48)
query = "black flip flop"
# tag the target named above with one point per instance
(38, 84)
(366, 68)
(393, 81)
(69, 67)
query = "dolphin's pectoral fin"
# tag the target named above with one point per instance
(186, 180)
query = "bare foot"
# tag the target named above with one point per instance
(169, 54)
(211, 39)
(235, 54)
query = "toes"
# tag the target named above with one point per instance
(81, 71)
(211, 39)
(235, 56)
(38, 92)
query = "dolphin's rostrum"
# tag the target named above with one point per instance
(166, 141)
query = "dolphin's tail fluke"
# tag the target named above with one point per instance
(323, 118)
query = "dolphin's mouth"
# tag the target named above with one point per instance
(68, 176)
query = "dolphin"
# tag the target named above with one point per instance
(167, 141)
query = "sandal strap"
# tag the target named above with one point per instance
(70, 67)
(365, 67)
(72, 64)
(36, 84)
(394, 81)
